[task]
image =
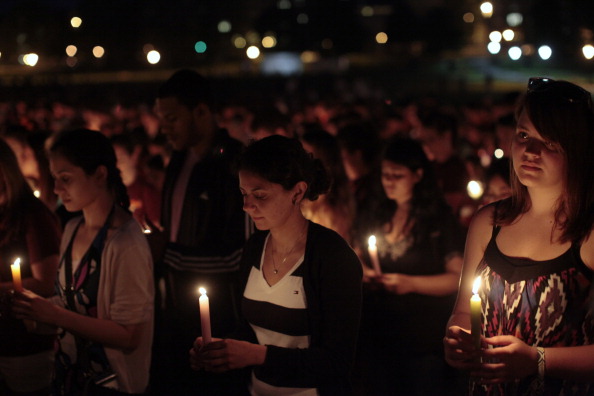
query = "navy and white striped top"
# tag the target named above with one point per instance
(278, 316)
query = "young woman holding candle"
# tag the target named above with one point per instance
(104, 306)
(534, 254)
(419, 249)
(302, 283)
(29, 235)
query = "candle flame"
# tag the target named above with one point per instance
(17, 261)
(202, 290)
(476, 285)
(371, 241)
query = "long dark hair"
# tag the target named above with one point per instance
(427, 203)
(17, 196)
(284, 161)
(88, 150)
(561, 113)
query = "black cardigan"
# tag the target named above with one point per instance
(332, 281)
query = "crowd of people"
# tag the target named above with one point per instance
(118, 217)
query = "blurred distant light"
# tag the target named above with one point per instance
(239, 41)
(98, 51)
(302, 19)
(527, 49)
(0, 54)
(367, 11)
(495, 36)
(545, 52)
(224, 26)
(30, 59)
(200, 47)
(514, 19)
(588, 51)
(252, 37)
(494, 47)
(487, 9)
(284, 63)
(327, 44)
(310, 56)
(508, 35)
(515, 53)
(269, 42)
(75, 22)
(474, 189)
(381, 38)
(283, 5)
(71, 61)
(71, 50)
(468, 17)
(498, 153)
(153, 57)
(253, 52)
(147, 48)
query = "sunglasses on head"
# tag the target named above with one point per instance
(565, 90)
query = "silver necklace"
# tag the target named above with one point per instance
(275, 270)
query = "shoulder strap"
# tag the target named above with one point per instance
(496, 228)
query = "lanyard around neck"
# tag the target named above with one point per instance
(96, 245)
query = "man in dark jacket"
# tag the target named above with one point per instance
(204, 225)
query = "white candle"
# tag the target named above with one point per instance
(476, 314)
(16, 275)
(372, 249)
(204, 316)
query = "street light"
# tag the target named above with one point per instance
(487, 9)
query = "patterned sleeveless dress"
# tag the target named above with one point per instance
(546, 303)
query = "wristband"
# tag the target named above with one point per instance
(541, 362)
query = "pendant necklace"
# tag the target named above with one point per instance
(275, 270)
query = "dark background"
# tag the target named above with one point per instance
(430, 49)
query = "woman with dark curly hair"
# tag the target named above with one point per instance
(302, 283)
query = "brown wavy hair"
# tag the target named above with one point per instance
(562, 113)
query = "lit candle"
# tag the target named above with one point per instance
(204, 316)
(476, 314)
(16, 275)
(372, 249)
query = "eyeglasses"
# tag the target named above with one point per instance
(564, 89)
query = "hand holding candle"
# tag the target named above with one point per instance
(16, 275)
(372, 249)
(17, 283)
(204, 316)
(476, 314)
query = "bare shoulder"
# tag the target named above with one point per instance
(482, 221)
(587, 250)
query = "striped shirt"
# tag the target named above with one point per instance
(278, 316)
